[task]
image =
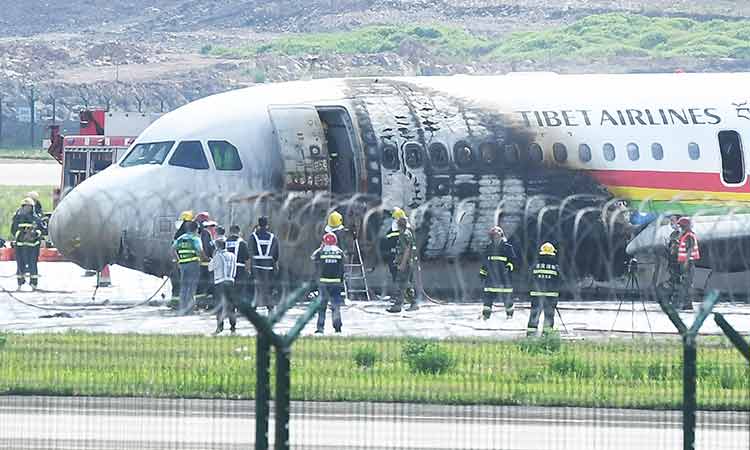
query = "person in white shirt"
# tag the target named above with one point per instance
(223, 264)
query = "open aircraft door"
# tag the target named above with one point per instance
(302, 144)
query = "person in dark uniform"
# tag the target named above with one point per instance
(546, 279)
(206, 284)
(264, 255)
(406, 263)
(687, 253)
(27, 235)
(238, 246)
(331, 281)
(497, 267)
(336, 226)
(673, 267)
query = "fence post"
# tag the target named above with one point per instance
(689, 363)
(262, 391)
(283, 395)
(733, 335)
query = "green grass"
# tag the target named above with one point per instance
(640, 374)
(10, 201)
(25, 153)
(595, 36)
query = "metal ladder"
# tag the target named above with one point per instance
(355, 271)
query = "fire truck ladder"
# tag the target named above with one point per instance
(354, 273)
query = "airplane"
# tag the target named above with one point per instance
(593, 163)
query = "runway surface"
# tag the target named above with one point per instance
(108, 423)
(67, 297)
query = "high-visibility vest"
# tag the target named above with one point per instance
(186, 252)
(263, 259)
(682, 252)
(233, 244)
(27, 235)
(332, 260)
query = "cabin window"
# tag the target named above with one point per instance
(438, 154)
(413, 155)
(694, 151)
(609, 152)
(560, 152)
(634, 152)
(657, 151)
(390, 157)
(488, 152)
(150, 153)
(189, 154)
(535, 152)
(732, 164)
(225, 155)
(463, 154)
(584, 153)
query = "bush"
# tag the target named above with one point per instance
(548, 343)
(651, 40)
(365, 357)
(424, 357)
(3, 339)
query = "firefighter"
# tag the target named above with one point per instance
(687, 253)
(497, 266)
(189, 252)
(185, 217)
(546, 278)
(673, 267)
(27, 235)
(389, 245)
(38, 210)
(331, 280)
(406, 263)
(264, 250)
(238, 246)
(206, 229)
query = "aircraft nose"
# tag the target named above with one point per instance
(85, 228)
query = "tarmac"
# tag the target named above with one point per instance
(136, 303)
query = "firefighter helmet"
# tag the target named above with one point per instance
(684, 222)
(33, 195)
(202, 217)
(398, 213)
(28, 201)
(547, 249)
(496, 231)
(186, 216)
(330, 239)
(335, 219)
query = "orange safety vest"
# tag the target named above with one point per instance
(682, 253)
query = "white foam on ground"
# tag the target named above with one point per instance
(72, 293)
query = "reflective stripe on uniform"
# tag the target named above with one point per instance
(330, 280)
(483, 272)
(544, 294)
(392, 234)
(499, 290)
(331, 256)
(545, 272)
(497, 258)
(263, 256)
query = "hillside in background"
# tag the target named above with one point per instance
(161, 54)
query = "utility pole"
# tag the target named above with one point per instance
(32, 102)
(54, 110)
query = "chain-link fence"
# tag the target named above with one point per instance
(603, 368)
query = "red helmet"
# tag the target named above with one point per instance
(202, 217)
(684, 222)
(330, 239)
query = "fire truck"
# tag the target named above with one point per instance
(103, 138)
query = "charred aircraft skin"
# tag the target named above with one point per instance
(459, 167)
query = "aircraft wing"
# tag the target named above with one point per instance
(724, 240)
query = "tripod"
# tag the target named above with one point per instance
(632, 289)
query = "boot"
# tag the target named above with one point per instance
(395, 308)
(219, 328)
(531, 332)
(687, 306)
(486, 312)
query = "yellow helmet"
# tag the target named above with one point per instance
(398, 213)
(335, 219)
(28, 201)
(186, 216)
(33, 195)
(547, 249)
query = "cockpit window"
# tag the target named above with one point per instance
(225, 155)
(189, 154)
(147, 153)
